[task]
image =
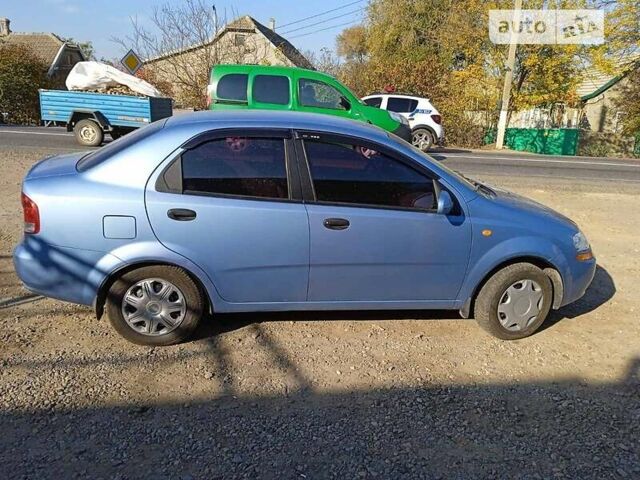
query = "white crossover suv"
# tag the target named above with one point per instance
(425, 121)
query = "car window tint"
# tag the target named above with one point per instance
(401, 104)
(251, 167)
(232, 87)
(271, 89)
(313, 93)
(355, 174)
(374, 101)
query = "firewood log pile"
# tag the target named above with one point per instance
(117, 90)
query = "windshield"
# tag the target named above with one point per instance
(473, 184)
(98, 156)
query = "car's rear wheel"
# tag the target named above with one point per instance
(88, 133)
(422, 138)
(514, 302)
(155, 305)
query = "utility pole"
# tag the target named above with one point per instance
(508, 76)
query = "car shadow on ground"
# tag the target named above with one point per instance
(543, 429)
(599, 292)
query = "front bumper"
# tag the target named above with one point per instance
(578, 281)
(67, 274)
(404, 132)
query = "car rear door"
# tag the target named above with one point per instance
(375, 234)
(230, 204)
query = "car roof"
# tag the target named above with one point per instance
(393, 94)
(224, 69)
(273, 119)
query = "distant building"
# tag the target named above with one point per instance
(600, 98)
(596, 111)
(60, 56)
(243, 41)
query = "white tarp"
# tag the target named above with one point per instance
(99, 76)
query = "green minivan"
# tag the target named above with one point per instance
(290, 88)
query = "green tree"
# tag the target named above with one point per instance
(352, 44)
(441, 49)
(22, 73)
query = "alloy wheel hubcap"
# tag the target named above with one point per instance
(520, 305)
(153, 307)
(421, 140)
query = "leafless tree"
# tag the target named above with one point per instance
(180, 43)
(324, 61)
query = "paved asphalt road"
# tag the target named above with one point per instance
(472, 163)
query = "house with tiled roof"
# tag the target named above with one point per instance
(243, 41)
(59, 55)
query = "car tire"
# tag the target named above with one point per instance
(514, 302)
(167, 323)
(422, 139)
(88, 133)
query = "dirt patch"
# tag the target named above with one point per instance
(332, 395)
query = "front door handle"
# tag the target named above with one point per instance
(336, 223)
(181, 214)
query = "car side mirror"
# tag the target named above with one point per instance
(445, 203)
(344, 103)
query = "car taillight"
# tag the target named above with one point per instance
(31, 215)
(437, 119)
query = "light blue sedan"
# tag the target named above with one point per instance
(265, 211)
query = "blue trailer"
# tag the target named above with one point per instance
(92, 115)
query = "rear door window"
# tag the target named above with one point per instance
(232, 87)
(401, 104)
(238, 166)
(271, 89)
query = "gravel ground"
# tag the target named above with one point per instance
(331, 395)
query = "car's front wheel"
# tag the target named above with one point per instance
(155, 305)
(514, 302)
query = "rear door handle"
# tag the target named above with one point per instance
(181, 214)
(336, 223)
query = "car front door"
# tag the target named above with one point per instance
(375, 233)
(317, 96)
(228, 204)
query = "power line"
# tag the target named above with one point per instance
(322, 21)
(321, 13)
(327, 28)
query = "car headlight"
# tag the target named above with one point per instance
(399, 118)
(580, 242)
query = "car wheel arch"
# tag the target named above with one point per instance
(425, 127)
(551, 270)
(113, 276)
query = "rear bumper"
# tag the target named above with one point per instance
(404, 132)
(67, 274)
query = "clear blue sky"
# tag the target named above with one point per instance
(99, 20)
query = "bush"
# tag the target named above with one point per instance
(21, 75)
